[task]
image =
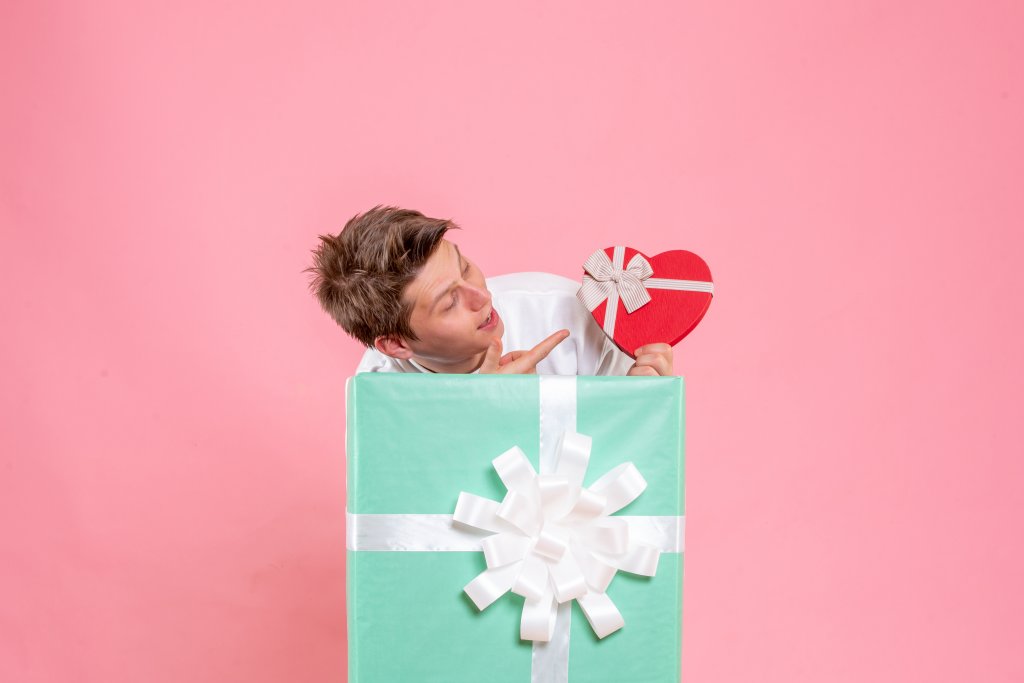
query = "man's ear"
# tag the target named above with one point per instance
(396, 347)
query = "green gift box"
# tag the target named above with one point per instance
(415, 442)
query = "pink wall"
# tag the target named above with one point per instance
(171, 501)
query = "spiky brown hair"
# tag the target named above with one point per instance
(359, 274)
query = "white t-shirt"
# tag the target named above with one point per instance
(533, 307)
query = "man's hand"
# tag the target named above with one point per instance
(652, 360)
(519, 362)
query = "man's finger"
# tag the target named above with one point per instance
(658, 361)
(541, 351)
(491, 358)
(651, 348)
(525, 362)
(642, 371)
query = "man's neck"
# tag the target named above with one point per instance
(464, 367)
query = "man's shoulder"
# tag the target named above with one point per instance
(375, 361)
(532, 283)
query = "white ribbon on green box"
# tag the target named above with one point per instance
(550, 540)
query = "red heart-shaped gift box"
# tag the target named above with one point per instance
(679, 285)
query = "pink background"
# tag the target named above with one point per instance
(171, 475)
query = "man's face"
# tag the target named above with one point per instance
(451, 312)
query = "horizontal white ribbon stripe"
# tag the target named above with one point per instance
(413, 533)
(437, 534)
(680, 285)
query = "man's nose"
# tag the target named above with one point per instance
(477, 297)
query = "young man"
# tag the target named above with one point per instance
(392, 281)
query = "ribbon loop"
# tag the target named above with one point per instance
(491, 585)
(620, 486)
(555, 494)
(609, 536)
(598, 574)
(551, 543)
(589, 505)
(516, 472)
(517, 511)
(538, 620)
(532, 580)
(502, 549)
(568, 579)
(480, 513)
(601, 612)
(638, 559)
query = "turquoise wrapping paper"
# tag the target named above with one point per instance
(415, 442)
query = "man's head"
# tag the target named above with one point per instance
(392, 281)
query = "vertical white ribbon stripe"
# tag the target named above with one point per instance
(557, 415)
(612, 309)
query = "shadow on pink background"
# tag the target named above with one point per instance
(171, 474)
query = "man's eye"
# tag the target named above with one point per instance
(455, 298)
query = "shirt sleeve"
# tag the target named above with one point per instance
(612, 362)
(375, 361)
(601, 356)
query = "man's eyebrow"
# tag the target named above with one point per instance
(449, 287)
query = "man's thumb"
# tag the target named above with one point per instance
(492, 357)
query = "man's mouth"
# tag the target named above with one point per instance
(492, 320)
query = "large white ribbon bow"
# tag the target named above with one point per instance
(553, 540)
